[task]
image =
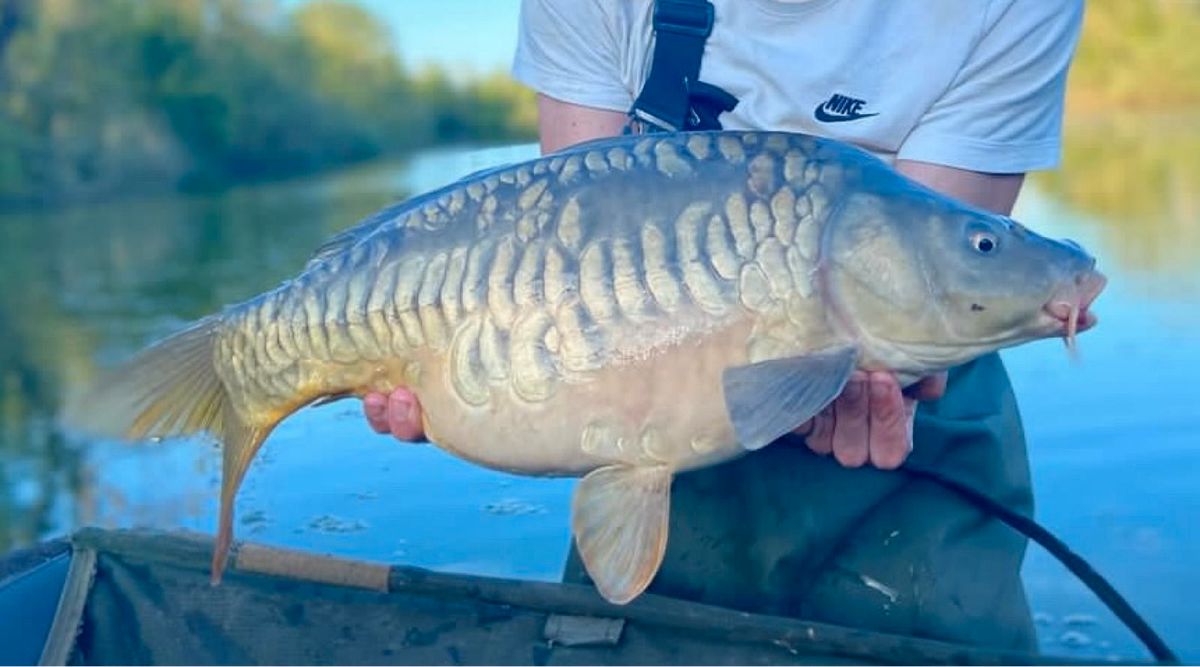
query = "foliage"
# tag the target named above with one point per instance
(104, 96)
(1137, 54)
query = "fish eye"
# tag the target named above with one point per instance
(984, 243)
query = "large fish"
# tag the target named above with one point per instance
(621, 311)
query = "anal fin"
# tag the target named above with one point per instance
(770, 398)
(619, 519)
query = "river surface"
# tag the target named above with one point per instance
(1113, 439)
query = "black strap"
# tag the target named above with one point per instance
(673, 98)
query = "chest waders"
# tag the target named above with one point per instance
(911, 551)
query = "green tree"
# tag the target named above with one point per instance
(105, 96)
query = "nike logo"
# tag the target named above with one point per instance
(840, 108)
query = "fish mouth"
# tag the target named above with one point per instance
(1068, 308)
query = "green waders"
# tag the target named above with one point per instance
(784, 531)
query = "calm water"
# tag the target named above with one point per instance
(1115, 454)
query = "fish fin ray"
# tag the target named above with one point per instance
(619, 518)
(767, 399)
(170, 389)
(343, 241)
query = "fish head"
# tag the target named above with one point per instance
(927, 283)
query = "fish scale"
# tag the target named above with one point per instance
(433, 295)
(621, 311)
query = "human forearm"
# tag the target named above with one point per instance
(562, 124)
(993, 192)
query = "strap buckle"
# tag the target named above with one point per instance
(642, 121)
(686, 17)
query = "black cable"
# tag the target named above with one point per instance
(1075, 563)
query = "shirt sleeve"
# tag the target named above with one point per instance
(571, 50)
(1003, 111)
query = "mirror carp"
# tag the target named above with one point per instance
(620, 311)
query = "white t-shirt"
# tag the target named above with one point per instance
(973, 84)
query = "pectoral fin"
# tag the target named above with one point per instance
(619, 518)
(770, 398)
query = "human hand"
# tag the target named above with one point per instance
(872, 420)
(398, 413)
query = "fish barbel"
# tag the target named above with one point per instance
(620, 311)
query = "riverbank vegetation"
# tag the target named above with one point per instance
(112, 96)
(1136, 55)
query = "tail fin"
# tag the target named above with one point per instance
(169, 389)
(172, 389)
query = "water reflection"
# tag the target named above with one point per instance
(1138, 177)
(87, 285)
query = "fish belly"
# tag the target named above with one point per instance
(666, 409)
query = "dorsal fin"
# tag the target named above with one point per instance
(349, 237)
(341, 241)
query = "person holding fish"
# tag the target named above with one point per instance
(963, 96)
